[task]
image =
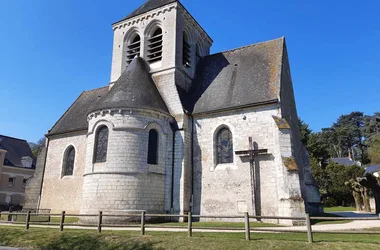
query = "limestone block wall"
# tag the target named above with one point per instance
(125, 181)
(34, 185)
(63, 192)
(226, 188)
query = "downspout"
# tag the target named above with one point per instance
(172, 182)
(192, 163)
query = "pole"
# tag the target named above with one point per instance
(100, 222)
(62, 221)
(143, 223)
(189, 225)
(309, 229)
(27, 220)
(247, 228)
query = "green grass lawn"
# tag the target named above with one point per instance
(39, 238)
(40, 218)
(339, 209)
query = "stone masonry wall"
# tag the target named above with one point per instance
(125, 181)
(63, 192)
(226, 188)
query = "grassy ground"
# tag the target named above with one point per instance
(339, 209)
(40, 218)
(324, 222)
(39, 238)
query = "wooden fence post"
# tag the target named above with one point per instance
(247, 227)
(309, 229)
(143, 223)
(189, 225)
(27, 221)
(100, 221)
(62, 221)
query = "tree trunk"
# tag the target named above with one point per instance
(357, 198)
(367, 205)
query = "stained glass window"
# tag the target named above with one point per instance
(68, 167)
(101, 145)
(153, 147)
(224, 146)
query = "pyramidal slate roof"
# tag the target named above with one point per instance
(236, 78)
(134, 89)
(148, 6)
(75, 118)
(16, 149)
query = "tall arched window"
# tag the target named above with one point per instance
(224, 146)
(155, 46)
(186, 53)
(101, 144)
(153, 147)
(68, 162)
(133, 48)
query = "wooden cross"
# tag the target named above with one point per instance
(252, 153)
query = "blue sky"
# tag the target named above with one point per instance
(52, 50)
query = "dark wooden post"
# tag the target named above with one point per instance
(189, 225)
(62, 221)
(309, 229)
(27, 221)
(100, 221)
(143, 223)
(247, 227)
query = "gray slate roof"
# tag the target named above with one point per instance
(372, 169)
(134, 89)
(237, 78)
(148, 6)
(16, 149)
(344, 161)
(75, 118)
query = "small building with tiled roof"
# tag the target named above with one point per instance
(17, 165)
(173, 130)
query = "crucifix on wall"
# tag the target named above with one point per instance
(253, 152)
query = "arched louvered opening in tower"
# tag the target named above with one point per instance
(186, 53)
(133, 48)
(155, 46)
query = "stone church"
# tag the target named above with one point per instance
(178, 129)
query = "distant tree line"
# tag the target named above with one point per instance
(355, 135)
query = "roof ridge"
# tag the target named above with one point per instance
(86, 91)
(10, 137)
(247, 46)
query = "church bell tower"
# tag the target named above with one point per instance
(171, 42)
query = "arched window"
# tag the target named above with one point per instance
(133, 48)
(153, 147)
(68, 162)
(101, 144)
(224, 146)
(155, 46)
(186, 53)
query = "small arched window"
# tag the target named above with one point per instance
(153, 147)
(68, 162)
(224, 146)
(133, 48)
(155, 46)
(186, 53)
(101, 144)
